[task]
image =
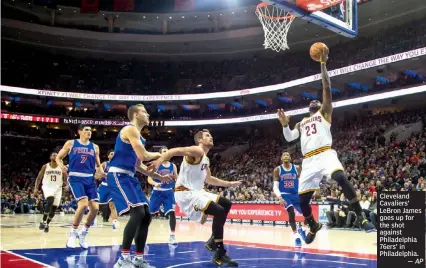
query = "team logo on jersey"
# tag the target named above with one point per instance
(204, 166)
(83, 150)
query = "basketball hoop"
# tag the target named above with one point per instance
(276, 23)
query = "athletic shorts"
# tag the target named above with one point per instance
(314, 168)
(104, 196)
(292, 200)
(53, 190)
(83, 187)
(194, 203)
(125, 191)
(165, 198)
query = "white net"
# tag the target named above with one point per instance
(276, 23)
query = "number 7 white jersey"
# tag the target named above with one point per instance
(52, 176)
(315, 134)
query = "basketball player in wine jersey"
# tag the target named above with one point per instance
(319, 159)
(53, 181)
(190, 196)
(83, 162)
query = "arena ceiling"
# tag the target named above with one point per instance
(245, 40)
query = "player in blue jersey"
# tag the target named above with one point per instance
(125, 188)
(83, 162)
(104, 196)
(286, 185)
(163, 194)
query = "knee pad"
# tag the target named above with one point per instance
(338, 176)
(50, 200)
(225, 203)
(49, 203)
(52, 211)
(215, 210)
(305, 198)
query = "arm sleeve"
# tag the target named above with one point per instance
(276, 189)
(290, 135)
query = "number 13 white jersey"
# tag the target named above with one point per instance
(314, 133)
(52, 176)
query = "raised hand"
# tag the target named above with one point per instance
(324, 55)
(154, 165)
(284, 119)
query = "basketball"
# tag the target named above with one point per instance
(316, 50)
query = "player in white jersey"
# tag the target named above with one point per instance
(319, 159)
(191, 197)
(53, 181)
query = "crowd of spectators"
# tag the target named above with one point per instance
(99, 111)
(29, 66)
(373, 163)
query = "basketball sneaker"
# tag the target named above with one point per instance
(210, 244)
(124, 263)
(46, 228)
(172, 239)
(141, 263)
(82, 237)
(297, 240)
(368, 226)
(302, 233)
(115, 224)
(72, 236)
(220, 258)
(42, 226)
(312, 233)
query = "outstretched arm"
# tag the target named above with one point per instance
(218, 182)
(289, 134)
(194, 152)
(327, 106)
(149, 173)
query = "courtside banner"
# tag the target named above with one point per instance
(31, 118)
(262, 212)
(246, 119)
(216, 95)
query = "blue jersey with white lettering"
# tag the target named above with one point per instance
(107, 165)
(289, 183)
(162, 170)
(124, 155)
(82, 158)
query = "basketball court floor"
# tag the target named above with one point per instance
(23, 245)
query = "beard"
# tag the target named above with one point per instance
(314, 109)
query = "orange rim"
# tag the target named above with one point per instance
(263, 4)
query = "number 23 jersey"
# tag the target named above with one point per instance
(315, 133)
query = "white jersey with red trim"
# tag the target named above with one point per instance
(315, 133)
(193, 176)
(52, 177)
